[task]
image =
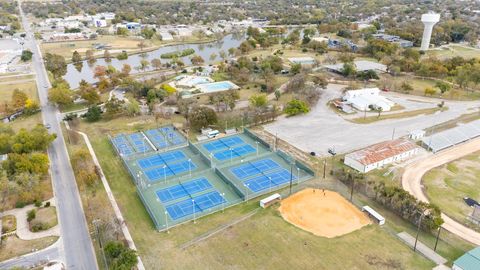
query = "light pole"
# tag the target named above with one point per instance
(270, 178)
(165, 173)
(193, 207)
(438, 236)
(223, 201)
(418, 229)
(257, 147)
(298, 175)
(246, 185)
(166, 220)
(190, 167)
(211, 161)
(231, 153)
(291, 177)
(324, 167)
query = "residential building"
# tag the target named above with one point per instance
(394, 39)
(364, 99)
(381, 154)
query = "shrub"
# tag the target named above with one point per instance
(295, 107)
(20, 204)
(47, 204)
(37, 203)
(31, 215)
(122, 56)
(39, 227)
(26, 55)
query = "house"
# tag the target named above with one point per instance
(468, 261)
(380, 154)
(394, 39)
(361, 66)
(364, 99)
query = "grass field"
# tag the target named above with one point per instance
(371, 119)
(47, 216)
(9, 224)
(12, 246)
(447, 185)
(453, 51)
(264, 239)
(7, 87)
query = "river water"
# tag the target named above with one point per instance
(205, 50)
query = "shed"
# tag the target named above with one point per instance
(468, 261)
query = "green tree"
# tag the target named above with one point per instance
(147, 32)
(61, 94)
(156, 63)
(258, 100)
(201, 117)
(406, 87)
(56, 64)
(26, 55)
(295, 107)
(121, 31)
(133, 108)
(19, 98)
(89, 93)
(296, 68)
(76, 57)
(93, 114)
(144, 64)
(119, 256)
(197, 60)
(443, 86)
(31, 215)
(349, 69)
(278, 94)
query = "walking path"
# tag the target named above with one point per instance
(111, 198)
(23, 229)
(412, 182)
(422, 248)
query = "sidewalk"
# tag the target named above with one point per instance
(23, 231)
(422, 248)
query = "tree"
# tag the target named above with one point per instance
(349, 69)
(406, 87)
(126, 68)
(61, 94)
(141, 45)
(296, 68)
(119, 256)
(201, 117)
(26, 55)
(147, 32)
(107, 56)
(197, 60)
(278, 94)
(89, 93)
(31, 215)
(56, 64)
(429, 91)
(19, 98)
(90, 55)
(37, 139)
(144, 64)
(93, 114)
(76, 57)
(156, 63)
(31, 106)
(443, 86)
(295, 107)
(133, 108)
(122, 31)
(258, 100)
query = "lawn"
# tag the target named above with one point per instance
(447, 185)
(453, 51)
(12, 246)
(45, 218)
(371, 119)
(9, 224)
(264, 239)
(7, 87)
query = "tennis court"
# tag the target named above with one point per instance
(157, 138)
(183, 189)
(161, 159)
(253, 168)
(234, 152)
(269, 180)
(195, 205)
(170, 169)
(122, 145)
(223, 143)
(139, 142)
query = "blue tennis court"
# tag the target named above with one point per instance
(268, 180)
(157, 138)
(183, 189)
(139, 142)
(253, 168)
(238, 151)
(161, 159)
(158, 173)
(122, 145)
(182, 166)
(198, 204)
(223, 143)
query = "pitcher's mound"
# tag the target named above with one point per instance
(326, 215)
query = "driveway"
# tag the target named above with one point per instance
(323, 128)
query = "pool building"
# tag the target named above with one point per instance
(179, 181)
(191, 84)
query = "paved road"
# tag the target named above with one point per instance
(33, 259)
(78, 250)
(412, 182)
(322, 128)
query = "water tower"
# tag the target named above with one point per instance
(429, 20)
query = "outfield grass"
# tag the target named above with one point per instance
(264, 240)
(447, 185)
(371, 119)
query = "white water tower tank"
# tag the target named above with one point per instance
(429, 20)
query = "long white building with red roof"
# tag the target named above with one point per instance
(380, 154)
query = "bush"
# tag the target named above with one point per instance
(39, 227)
(295, 107)
(37, 203)
(20, 204)
(122, 56)
(26, 55)
(31, 215)
(93, 114)
(47, 204)
(263, 88)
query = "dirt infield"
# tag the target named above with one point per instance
(328, 215)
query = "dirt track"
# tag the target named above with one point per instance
(412, 178)
(324, 214)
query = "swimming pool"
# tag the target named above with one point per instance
(217, 86)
